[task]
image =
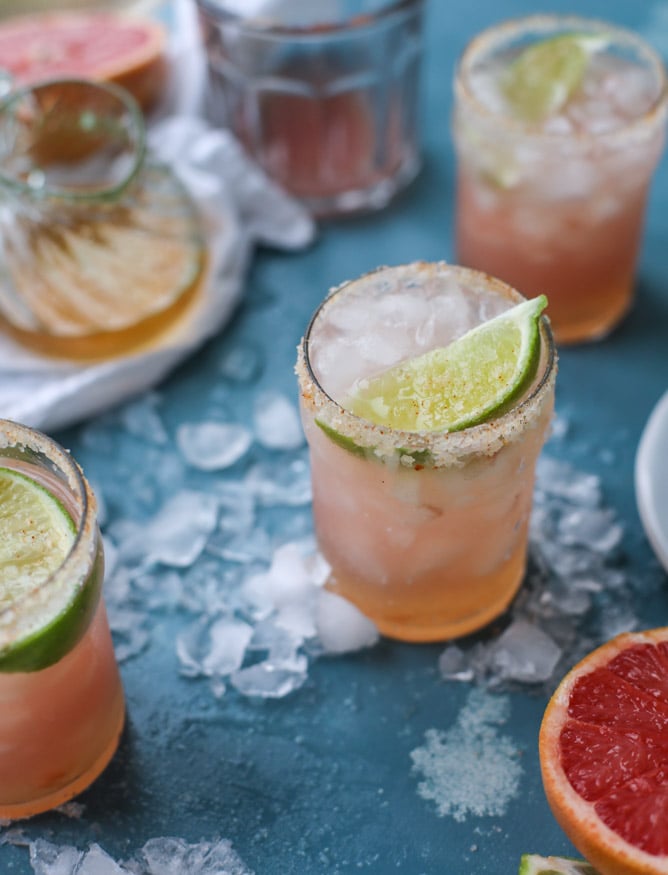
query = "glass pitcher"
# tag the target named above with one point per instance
(101, 248)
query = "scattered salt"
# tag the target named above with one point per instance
(470, 768)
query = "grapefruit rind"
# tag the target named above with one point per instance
(602, 846)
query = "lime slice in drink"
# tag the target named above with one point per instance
(460, 385)
(543, 77)
(533, 864)
(36, 535)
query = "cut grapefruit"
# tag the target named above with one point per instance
(604, 755)
(103, 46)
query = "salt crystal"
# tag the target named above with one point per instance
(277, 424)
(213, 446)
(341, 626)
(470, 768)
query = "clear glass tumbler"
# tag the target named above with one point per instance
(101, 248)
(323, 95)
(425, 532)
(556, 204)
(61, 700)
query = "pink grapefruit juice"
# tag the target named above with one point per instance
(556, 206)
(61, 699)
(425, 532)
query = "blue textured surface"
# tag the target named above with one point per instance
(320, 782)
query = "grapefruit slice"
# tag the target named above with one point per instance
(604, 755)
(103, 46)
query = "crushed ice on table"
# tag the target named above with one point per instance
(212, 446)
(575, 594)
(277, 423)
(232, 554)
(159, 856)
(470, 768)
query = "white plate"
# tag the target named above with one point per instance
(651, 476)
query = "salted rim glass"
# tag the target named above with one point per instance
(21, 443)
(446, 448)
(524, 31)
(71, 139)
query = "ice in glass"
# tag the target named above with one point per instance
(426, 532)
(559, 123)
(61, 699)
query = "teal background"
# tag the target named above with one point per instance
(320, 782)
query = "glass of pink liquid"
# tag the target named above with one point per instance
(556, 205)
(61, 709)
(324, 95)
(425, 532)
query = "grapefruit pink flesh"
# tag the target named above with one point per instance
(604, 754)
(98, 45)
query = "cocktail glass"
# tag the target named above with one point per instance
(555, 205)
(323, 95)
(425, 532)
(61, 699)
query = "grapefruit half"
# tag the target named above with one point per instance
(604, 755)
(103, 46)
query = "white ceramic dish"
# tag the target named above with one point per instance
(651, 479)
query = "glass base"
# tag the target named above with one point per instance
(363, 200)
(21, 810)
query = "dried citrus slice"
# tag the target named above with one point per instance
(544, 76)
(460, 385)
(604, 755)
(533, 864)
(36, 535)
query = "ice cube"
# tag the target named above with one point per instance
(173, 856)
(341, 626)
(593, 528)
(241, 364)
(277, 423)
(175, 536)
(454, 664)
(271, 679)
(141, 419)
(525, 653)
(49, 859)
(213, 647)
(213, 446)
(98, 862)
(288, 485)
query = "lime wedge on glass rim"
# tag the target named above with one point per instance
(457, 386)
(36, 535)
(543, 77)
(533, 864)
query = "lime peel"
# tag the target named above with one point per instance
(545, 76)
(36, 536)
(457, 386)
(534, 864)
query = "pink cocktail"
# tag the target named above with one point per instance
(61, 700)
(554, 203)
(425, 532)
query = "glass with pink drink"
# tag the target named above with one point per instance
(422, 479)
(61, 700)
(559, 123)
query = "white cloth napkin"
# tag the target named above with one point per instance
(240, 206)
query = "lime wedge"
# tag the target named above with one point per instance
(36, 535)
(460, 385)
(533, 864)
(544, 77)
